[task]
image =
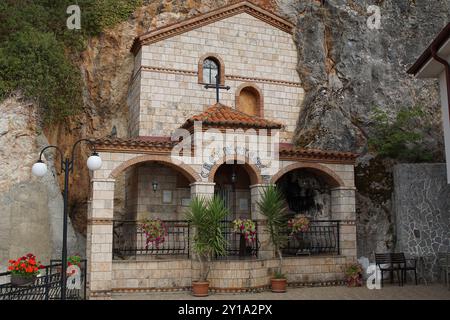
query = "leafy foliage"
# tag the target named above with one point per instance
(37, 49)
(400, 138)
(272, 206)
(209, 241)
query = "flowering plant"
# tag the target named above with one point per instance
(25, 266)
(245, 227)
(300, 224)
(353, 275)
(74, 260)
(155, 231)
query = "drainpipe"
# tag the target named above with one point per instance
(447, 73)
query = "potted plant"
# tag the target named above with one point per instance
(246, 228)
(354, 275)
(299, 225)
(272, 206)
(24, 270)
(205, 216)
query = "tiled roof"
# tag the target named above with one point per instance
(223, 116)
(154, 144)
(164, 145)
(288, 150)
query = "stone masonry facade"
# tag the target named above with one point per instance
(256, 49)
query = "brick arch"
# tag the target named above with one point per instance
(185, 170)
(330, 177)
(219, 60)
(260, 97)
(252, 170)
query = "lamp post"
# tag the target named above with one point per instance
(39, 169)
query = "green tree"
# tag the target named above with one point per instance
(402, 137)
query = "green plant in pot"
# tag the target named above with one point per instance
(205, 216)
(272, 206)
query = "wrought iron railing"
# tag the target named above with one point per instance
(130, 240)
(47, 285)
(322, 237)
(237, 246)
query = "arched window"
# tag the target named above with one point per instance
(249, 99)
(210, 71)
(209, 66)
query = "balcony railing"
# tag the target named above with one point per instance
(130, 240)
(322, 237)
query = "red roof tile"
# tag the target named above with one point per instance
(221, 115)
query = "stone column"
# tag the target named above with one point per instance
(343, 209)
(205, 190)
(266, 249)
(202, 189)
(100, 239)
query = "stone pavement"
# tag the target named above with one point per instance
(388, 292)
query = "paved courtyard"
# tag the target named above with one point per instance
(388, 292)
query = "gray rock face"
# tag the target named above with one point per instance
(348, 69)
(422, 210)
(31, 209)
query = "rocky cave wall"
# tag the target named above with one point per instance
(346, 69)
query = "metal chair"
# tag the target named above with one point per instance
(444, 266)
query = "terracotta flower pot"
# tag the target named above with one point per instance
(200, 288)
(18, 280)
(278, 285)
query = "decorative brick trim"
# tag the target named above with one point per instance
(316, 284)
(226, 76)
(332, 178)
(264, 80)
(169, 70)
(100, 294)
(150, 290)
(187, 171)
(208, 18)
(105, 221)
(219, 61)
(260, 97)
(252, 171)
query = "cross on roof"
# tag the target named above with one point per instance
(217, 86)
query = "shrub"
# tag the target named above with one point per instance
(400, 138)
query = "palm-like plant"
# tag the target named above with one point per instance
(209, 241)
(272, 206)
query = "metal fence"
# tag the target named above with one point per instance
(322, 237)
(130, 240)
(237, 246)
(47, 285)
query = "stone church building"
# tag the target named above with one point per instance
(250, 55)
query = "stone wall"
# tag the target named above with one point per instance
(422, 208)
(225, 276)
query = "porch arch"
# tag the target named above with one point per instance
(327, 174)
(185, 170)
(252, 170)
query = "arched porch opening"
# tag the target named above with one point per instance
(146, 193)
(232, 184)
